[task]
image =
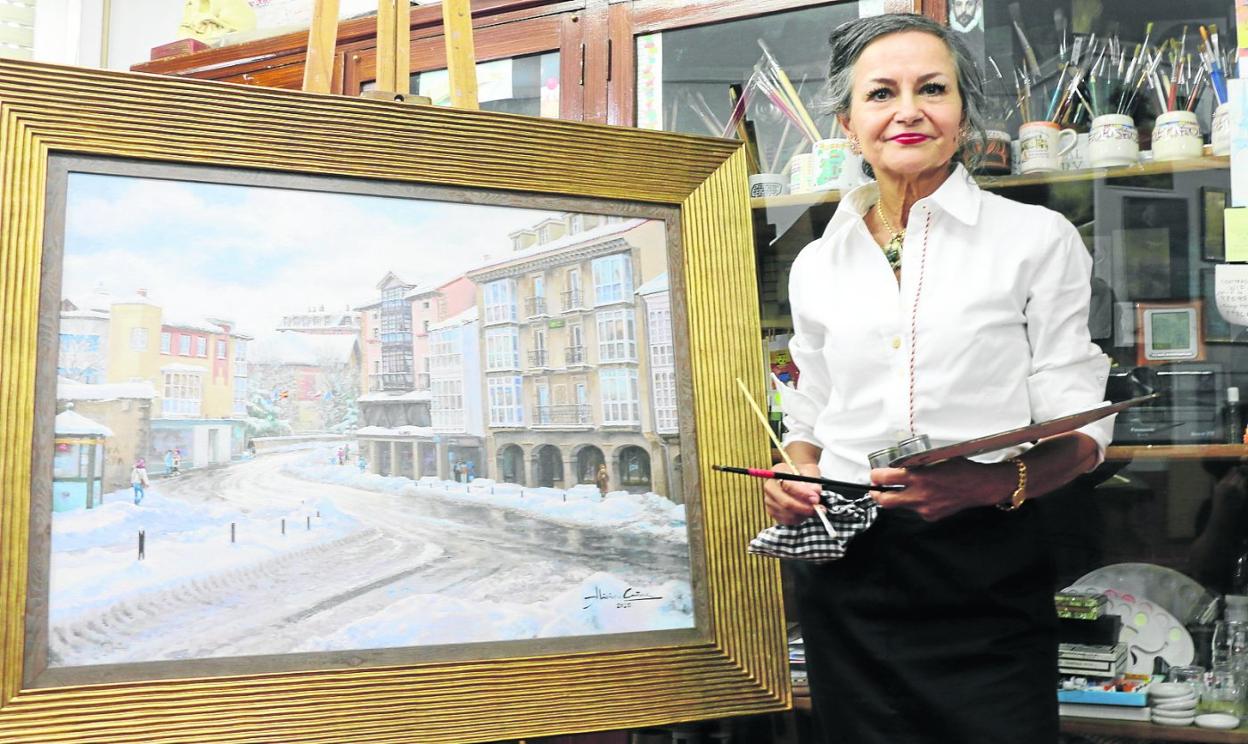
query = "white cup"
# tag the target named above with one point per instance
(830, 156)
(1113, 141)
(1077, 158)
(1176, 136)
(1040, 146)
(1220, 136)
(766, 184)
(802, 173)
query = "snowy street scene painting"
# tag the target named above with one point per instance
(296, 421)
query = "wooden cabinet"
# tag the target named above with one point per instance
(595, 41)
(646, 62)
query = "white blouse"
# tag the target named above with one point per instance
(987, 331)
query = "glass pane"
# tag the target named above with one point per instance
(517, 85)
(1046, 24)
(683, 76)
(1155, 233)
(67, 462)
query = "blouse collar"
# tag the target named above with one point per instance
(959, 196)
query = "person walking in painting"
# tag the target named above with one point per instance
(177, 461)
(470, 470)
(138, 479)
(602, 479)
(168, 463)
(362, 464)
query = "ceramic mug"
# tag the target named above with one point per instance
(851, 173)
(830, 156)
(1220, 136)
(1077, 157)
(995, 157)
(1041, 147)
(1176, 136)
(766, 184)
(802, 173)
(1113, 141)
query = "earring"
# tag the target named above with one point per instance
(854, 145)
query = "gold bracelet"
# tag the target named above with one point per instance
(1019, 496)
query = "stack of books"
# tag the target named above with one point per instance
(1103, 662)
(1084, 618)
(797, 659)
(1092, 661)
(1080, 604)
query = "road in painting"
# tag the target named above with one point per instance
(464, 433)
(364, 561)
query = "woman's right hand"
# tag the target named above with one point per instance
(791, 502)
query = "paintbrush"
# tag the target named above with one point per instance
(787, 86)
(1016, 14)
(820, 509)
(842, 487)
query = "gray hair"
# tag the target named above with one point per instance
(849, 39)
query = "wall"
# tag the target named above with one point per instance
(135, 26)
(103, 33)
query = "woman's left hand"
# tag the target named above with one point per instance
(946, 488)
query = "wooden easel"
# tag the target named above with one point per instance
(394, 52)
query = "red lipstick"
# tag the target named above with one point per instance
(911, 138)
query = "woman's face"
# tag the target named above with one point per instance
(905, 107)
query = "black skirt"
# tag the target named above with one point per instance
(934, 633)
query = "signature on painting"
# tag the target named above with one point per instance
(622, 601)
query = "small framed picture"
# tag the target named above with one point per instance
(1217, 328)
(1169, 332)
(1213, 203)
(1153, 243)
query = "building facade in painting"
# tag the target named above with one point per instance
(197, 370)
(125, 409)
(567, 380)
(403, 334)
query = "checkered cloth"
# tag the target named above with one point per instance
(810, 541)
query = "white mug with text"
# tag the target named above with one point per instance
(1041, 145)
(1113, 141)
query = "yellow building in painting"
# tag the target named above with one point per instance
(199, 372)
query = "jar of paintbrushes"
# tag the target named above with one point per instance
(1177, 81)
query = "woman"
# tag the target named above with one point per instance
(138, 480)
(931, 307)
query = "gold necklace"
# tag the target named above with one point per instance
(892, 249)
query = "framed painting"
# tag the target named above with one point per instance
(1213, 203)
(330, 419)
(1154, 243)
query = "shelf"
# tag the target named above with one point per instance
(1151, 731)
(1176, 452)
(1103, 727)
(808, 199)
(1208, 162)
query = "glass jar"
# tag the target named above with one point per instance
(1223, 692)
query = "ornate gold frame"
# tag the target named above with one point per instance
(735, 663)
